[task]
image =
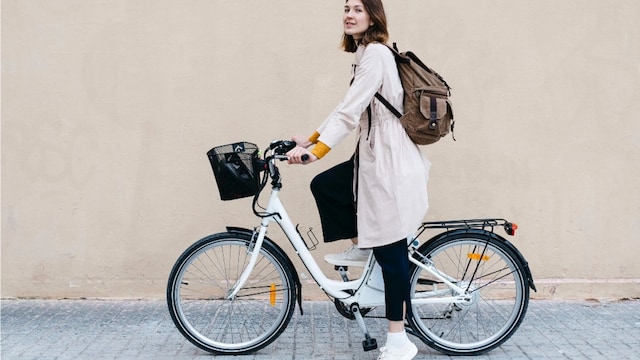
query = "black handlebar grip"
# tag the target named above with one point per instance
(304, 158)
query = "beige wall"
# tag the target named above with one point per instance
(108, 108)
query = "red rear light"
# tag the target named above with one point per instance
(510, 228)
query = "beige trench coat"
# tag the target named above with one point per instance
(392, 173)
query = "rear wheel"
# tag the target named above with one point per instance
(203, 277)
(493, 277)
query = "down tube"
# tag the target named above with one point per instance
(331, 287)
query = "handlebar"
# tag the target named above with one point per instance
(281, 147)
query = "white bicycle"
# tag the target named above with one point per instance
(235, 292)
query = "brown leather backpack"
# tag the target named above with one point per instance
(428, 115)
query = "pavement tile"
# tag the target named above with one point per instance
(101, 329)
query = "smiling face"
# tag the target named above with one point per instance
(356, 20)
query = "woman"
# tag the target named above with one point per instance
(390, 181)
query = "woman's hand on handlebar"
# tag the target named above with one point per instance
(300, 155)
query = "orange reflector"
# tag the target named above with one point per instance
(272, 294)
(478, 257)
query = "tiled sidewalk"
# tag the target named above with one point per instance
(93, 329)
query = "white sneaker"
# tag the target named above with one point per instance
(350, 257)
(408, 352)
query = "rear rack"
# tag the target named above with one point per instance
(483, 224)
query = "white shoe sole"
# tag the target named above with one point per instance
(412, 354)
(346, 262)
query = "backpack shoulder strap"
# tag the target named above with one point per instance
(399, 58)
(388, 105)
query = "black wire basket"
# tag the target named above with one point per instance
(236, 169)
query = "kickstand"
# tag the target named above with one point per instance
(368, 343)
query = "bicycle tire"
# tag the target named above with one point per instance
(484, 264)
(201, 280)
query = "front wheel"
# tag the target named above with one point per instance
(203, 277)
(494, 278)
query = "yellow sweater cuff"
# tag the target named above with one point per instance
(314, 138)
(320, 150)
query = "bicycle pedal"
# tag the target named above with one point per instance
(369, 344)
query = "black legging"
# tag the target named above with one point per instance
(394, 261)
(333, 191)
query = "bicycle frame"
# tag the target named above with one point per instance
(366, 294)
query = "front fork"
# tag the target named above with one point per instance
(256, 243)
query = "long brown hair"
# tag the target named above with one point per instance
(375, 33)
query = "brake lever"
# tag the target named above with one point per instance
(281, 147)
